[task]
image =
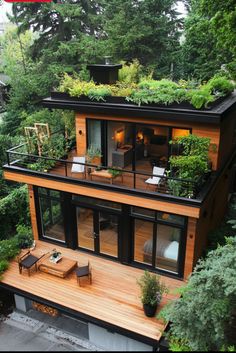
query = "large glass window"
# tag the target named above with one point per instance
(119, 144)
(94, 133)
(158, 242)
(51, 212)
(143, 231)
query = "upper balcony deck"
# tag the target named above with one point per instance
(106, 179)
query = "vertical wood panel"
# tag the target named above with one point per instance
(80, 125)
(190, 245)
(33, 212)
(226, 138)
(214, 134)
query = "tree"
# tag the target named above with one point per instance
(209, 37)
(204, 318)
(147, 30)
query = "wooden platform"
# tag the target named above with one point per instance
(112, 298)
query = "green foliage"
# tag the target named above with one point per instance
(99, 93)
(202, 317)
(209, 38)
(13, 211)
(130, 73)
(201, 97)
(149, 91)
(220, 85)
(24, 236)
(151, 288)
(4, 264)
(193, 162)
(194, 145)
(93, 152)
(114, 172)
(9, 248)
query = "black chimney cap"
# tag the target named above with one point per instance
(104, 73)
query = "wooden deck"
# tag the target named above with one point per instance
(112, 299)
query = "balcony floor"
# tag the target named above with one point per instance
(112, 298)
(126, 181)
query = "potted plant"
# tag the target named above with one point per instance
(152, 290)
(93, 155)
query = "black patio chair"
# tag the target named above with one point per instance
(84, 271)
(27, 261)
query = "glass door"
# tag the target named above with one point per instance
(97, 231)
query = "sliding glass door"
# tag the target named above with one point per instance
(97, 231)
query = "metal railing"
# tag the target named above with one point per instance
(93, 173)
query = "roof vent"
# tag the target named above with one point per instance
(104, 73)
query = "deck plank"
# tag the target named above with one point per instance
(113, 296)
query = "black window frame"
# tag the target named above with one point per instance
(182, 244)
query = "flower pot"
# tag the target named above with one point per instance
(150, 310)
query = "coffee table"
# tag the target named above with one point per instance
(103, 173)
(61, 269)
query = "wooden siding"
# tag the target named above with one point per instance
(33, 212)
(190, 245)
(212, 213)
(80, 128)
(227, 139)
(203, 130)
(113, 296)
(169, 207)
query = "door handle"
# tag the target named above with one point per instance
(95, 235)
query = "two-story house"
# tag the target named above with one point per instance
(122, 216)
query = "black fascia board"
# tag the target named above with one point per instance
(215, 115)
(131, 110)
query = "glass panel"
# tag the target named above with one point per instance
(85, 228)
(151, 147)
(143, 238)
(170, 218)
(97, 202)
(94, 133)
(52, 219)
(167, 248)
(119, 145)
(143, 212)
(177, 149)
(108, 234)
(49, 192)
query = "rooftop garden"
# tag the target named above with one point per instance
(141, 90)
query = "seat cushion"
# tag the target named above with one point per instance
(82, 271)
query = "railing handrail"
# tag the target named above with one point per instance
(100, 166)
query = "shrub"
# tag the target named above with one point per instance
(4, 264)
(151, 287)
(220, 86)
(99, 93)
(203, 316)
(24, 236)
(130, 73)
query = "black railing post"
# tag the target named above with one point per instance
(8, 158)
(134, 180)
(65, 168)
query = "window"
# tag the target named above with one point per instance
(158, 239)
(51, 214)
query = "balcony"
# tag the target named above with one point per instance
(107, 177)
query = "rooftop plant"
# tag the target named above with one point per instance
(148, 90)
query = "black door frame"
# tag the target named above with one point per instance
(96, 230)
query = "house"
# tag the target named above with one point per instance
(114, 217)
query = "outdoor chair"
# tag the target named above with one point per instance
(78, 168)
(27, 261)
(155, 180)
(84, 271)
